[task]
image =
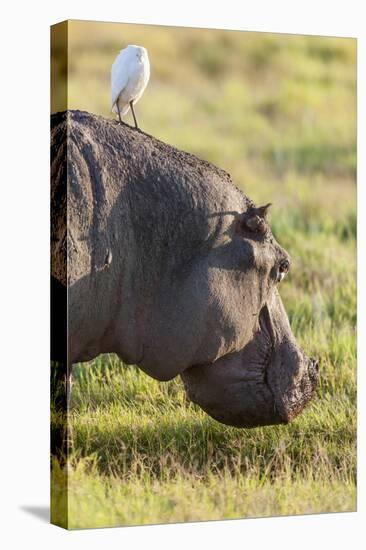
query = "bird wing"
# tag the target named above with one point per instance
(119, 74)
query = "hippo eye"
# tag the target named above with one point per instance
(283, 269)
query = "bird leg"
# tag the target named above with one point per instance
(119, 114)
(133, 113)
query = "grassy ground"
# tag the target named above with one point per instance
(278, 113)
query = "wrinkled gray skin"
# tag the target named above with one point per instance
(174, 269)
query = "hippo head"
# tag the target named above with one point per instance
(227, 333)
(268, 381)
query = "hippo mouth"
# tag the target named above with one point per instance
(281, 355)
(267, 382)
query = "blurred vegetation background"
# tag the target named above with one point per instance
(278, 112)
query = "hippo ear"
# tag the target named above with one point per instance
(255, 219)
(262, 211)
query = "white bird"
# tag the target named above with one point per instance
(129, 77)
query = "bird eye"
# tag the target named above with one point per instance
(283, 269)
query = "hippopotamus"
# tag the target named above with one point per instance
(165, 262)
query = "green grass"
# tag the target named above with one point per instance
(278, 113)
(111, 501)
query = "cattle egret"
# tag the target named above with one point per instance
(129, 77)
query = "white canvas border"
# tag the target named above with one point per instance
(24, 123)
